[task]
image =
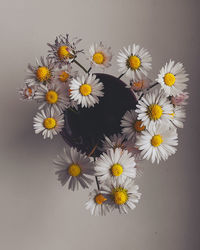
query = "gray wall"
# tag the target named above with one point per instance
(36, 212)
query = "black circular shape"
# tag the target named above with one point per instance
(86, 128)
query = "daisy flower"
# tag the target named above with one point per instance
(52, 96)
(158, 143)
(180, 99)
(28, 91)
(115, 164)
(43, 72)
(100, 55)
(86, 90)
(48, 122)
(139, 85)
(134, 62)
(154, 109)
(178, 116)
(63, 51)
(65, 75)
(97, 203)
(74, 167)
(131, 125)
(123, 196)
(172, 78)
(114, 141)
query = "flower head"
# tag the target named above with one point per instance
(86, 90)
(154, 109)
(158, 143)
(74, 167)
(52, 96)
(97, 203)
(63, 51)
(134, 62)
(115, 164)
(123, 196)
(100, 55)
(28, 91)
(43, 72)
(172, 78)
(48, 122)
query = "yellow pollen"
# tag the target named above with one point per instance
(85, 89)
(155, 111)
(137, 126)
(63, 76)
(156, 140)
(43, 74)
(138, 85)
(51, 97)
(100, 199)
(74, 170)
(63, 52)
(172, 114)
(116, 169)
(98, 58)
(120, 195)
(49, 123)
(169, 79)
(134, 62)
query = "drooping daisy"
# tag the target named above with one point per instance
(180, 99)
(123, 196)
(140, 85)
(158, 143)
(63, 51)
(154, 109)
(100, 55)
(115, 164)
(48, 122)
(131, 125)
(97, 203)
(178, 116)
(52, 96)
(28, 91)
(74, 167)
(134, 62)
(43, 72)
(65, 75)
(86, 90)
(172, 78)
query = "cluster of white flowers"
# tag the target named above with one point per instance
(148, 132)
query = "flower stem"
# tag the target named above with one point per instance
(153, 85)
(80, 65)
(119, 77)
(90, 154)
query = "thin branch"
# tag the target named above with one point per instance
(90, 154)
(153, 85)
(80, 65)
(119, 77)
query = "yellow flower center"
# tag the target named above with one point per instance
(98, 58)
(120, 195)
(134, 62)
(138, 85)
(100, 199)
(85, 89)
(156, 140)
(74, 170)
(49, 123)
(51, 97)
(116, 169)
(43, 74)
(63, 76)
(155, 111)
(169, 79)
(63, 52)
(28, 92)
(137, 126)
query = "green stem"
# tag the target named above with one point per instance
(80, 65)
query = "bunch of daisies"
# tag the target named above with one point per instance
(147, 132)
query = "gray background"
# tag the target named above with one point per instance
(36, 213)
